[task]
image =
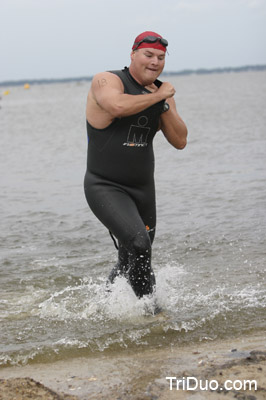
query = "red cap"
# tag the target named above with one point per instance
(156, 45)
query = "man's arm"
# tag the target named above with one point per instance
(108, 92)
(173, 126)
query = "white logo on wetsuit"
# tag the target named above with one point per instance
(138, 134)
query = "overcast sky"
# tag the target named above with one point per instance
(73, 38)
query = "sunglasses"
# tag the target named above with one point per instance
(151, 39)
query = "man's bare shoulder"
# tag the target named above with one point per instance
(103, 79)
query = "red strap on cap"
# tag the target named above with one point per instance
(156, 45)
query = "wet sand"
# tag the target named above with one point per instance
(142, 375)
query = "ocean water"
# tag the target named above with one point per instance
(209, 254)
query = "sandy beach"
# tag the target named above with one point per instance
(142, 375)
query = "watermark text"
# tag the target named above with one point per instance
(192, 383)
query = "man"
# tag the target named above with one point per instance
(124, 111)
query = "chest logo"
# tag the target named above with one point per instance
(138, 134)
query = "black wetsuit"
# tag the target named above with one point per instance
(119, 186)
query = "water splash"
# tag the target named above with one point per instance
(88, 316)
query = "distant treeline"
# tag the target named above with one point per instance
(200, 71)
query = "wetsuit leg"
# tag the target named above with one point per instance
(121, 267)
(135, 265)
(140, 273)
(118, 211)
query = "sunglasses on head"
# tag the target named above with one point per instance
(151, 39)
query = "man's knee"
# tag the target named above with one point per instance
(141, 245)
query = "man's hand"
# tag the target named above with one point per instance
(166, 90)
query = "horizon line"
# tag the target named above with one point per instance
(199, 71)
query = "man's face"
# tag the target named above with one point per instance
(146, 65)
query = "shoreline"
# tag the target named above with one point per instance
(142, 375)
(184, 72)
